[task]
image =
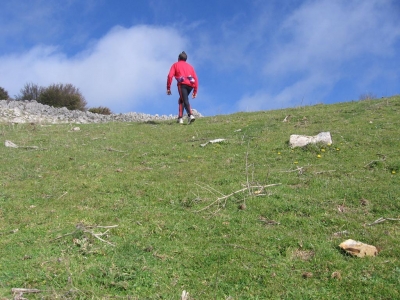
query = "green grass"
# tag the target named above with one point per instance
(162, 189)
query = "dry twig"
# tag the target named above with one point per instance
(382, 158)
(322, 172)
(62, 195)
(381, 220)
(224, 197)
(111, 149)
(248, 187)
(298, 169)
(267, 221)
(19, 292)
(87, 229)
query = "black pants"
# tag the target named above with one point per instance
(183, 102)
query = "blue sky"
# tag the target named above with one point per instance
(249, 55)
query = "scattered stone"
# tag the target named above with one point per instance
(212, 142)
(303, 140)
(359, 249)
(30, 111)
(10, 144)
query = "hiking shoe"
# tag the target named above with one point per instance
(191, 119)
(180, 121)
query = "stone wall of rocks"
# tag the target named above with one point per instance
(30, 111)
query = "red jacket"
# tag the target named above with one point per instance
(184, 74)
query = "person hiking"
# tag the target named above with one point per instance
(186, 78)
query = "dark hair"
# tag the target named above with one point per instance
(182, 56)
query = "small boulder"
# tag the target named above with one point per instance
(303, 140)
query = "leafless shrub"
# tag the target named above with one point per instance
(367, 96)
(30, 91)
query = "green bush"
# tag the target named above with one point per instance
(3, 94)
(63, 95)
(100, 110)
(30, 91)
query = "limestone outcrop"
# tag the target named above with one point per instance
(30, 111)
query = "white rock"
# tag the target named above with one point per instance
(10, 144)
(303, 140)
(212, 142)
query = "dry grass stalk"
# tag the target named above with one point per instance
(381, 220)
(225, 197)
(87, 229)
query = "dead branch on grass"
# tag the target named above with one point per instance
(381, 220)
(30, 147)
(382, 158)
(372, 162)
(62, 195)
(298, 169)
(322, 172)
(12, 145)
(301, 170)
(111, 149)
(124, 155)
(267, 221)
(88, 229)
(260, 188)
(250, 188)
(18, 293)
(225, 197)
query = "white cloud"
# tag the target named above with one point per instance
(123, 70)
(321, 43)
(326, 34)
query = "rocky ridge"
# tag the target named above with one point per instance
(30, 111)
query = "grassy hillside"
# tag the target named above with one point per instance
(142, 211)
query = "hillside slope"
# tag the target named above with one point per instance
(143, 211)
